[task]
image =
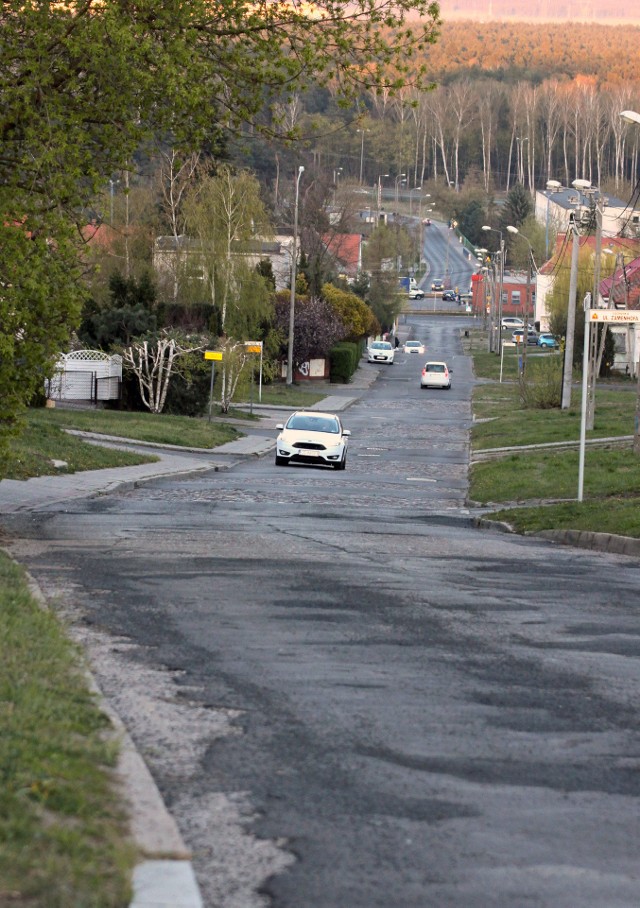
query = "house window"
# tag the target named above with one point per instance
(515, 298)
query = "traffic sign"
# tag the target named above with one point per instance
(253, 346)
(623, 316)
(213, 354)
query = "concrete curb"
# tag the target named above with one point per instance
(582, 539)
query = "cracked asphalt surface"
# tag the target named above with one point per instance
(349, 695)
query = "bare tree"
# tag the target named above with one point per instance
(153, 362)
(175, 177)
(462, 106)
(551, 120)
(438, 107)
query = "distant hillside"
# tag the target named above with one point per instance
(604, 11)
(607, 54)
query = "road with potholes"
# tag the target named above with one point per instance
(349, 696)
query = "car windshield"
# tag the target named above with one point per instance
(381, 345)
(413, 344)
(308, 423)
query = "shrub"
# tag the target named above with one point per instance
(542, 389)
(343, 360)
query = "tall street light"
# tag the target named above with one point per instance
(381, 177)
(567, 375)
(294, 262)
(500, 286)
(401, 178)
(362, 132)
(552, 186)
(527, 299)
(631, 116)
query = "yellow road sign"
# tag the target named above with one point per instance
(213, 354)
(253, 348)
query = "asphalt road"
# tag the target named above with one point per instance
(349, 696)
(446, 258)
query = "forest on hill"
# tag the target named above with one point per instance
(536, 51)
(510, 103)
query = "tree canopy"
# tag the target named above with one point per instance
(83, 84)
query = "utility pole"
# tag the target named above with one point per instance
(593, 347)
(571, 320)
(292, 298)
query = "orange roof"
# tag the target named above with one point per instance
(345, 248)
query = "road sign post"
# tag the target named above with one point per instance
(255, 347)
(214, 356)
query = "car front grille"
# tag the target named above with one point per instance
(309, 446)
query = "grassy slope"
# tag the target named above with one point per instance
(63, 832)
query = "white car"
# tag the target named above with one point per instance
(413, 347)
(416, 294)
(435, 375)
(380, 352)
(309, 436)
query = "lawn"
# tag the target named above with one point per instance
(547, 481)
(501, 405)
(62, 827)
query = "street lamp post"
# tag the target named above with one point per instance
(567, 375)
(631, 116)
(500, 286)
(401, 178)
(381, 177)
(362, 132)
(552, 186)
(294, 262)
(527, 298)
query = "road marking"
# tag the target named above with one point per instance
(419, 479)
(368, 455)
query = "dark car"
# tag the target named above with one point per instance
(450, 296)
(437, 284)
(532, 337)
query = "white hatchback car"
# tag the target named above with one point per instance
(413, 347)
(380, 352)
(435, 375)
(309, 436)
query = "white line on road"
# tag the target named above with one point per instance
(419, 479)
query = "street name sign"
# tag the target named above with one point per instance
(622, 316)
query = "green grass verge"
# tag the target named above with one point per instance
(293, 396)
(616, 515)
(63, 832)
(511, 424)
(546, 475)
(32, 453)
(162, 428)
(611, 493)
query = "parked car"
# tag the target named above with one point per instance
(511, 322)
(437, 284)
(547, 340)
(380, 352)
(450, 296)
(309, 436)
(435, 375)
(413, 346)
(416, 293)
(532, 337)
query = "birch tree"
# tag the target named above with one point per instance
(154, 361)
